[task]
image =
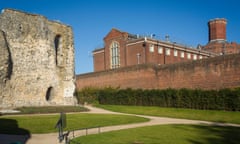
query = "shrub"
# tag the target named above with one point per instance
(224, 99)
(87, 95)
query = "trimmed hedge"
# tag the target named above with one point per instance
(87, 95)
(224, 99)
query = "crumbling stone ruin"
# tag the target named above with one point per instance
(36, 61)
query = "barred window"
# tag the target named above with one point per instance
(195, 57)
(160, 50)
(175, 53)
(115, 55)
(168, 51)
(189, 56)
(182, 54)
(151, 48)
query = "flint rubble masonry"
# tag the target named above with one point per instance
(36, 61)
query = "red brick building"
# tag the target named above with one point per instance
(124, 49)
(148, 63)
(217, 38)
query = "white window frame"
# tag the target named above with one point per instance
(194, 57)
(115, 55)
(200, 57)
(182, 54)
(189, 55)
(168, 51)
(160, 50)
(151, 48)
(175, 52)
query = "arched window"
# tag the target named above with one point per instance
(115, 55)
(49, 94)
(57, 43)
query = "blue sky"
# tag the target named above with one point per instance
(185, 21)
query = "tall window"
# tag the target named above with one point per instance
(175, 53)
(57, 45)
(151, 48)
(182, 54)
(160, 50)
(167, 51)
(115, 55)
(194, 57)
(189, 56)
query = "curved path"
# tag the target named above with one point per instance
(51, 138)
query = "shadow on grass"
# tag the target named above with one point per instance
(216, 135)
(10, 133)
(50, 109)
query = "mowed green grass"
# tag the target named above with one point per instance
(46, 123)
(206, 115)
(167, 134)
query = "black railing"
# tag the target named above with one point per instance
(86, 130)
(65, 136)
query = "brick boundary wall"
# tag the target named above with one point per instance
(212, 73)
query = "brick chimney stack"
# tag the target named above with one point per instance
(217, 29)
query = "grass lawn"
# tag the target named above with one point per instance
(167, 134)
(207, 115)
(46, 123)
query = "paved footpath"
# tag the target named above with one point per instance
(52, 137)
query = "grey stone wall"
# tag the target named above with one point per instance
(36, 61)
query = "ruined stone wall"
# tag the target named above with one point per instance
(37, 61)
(212, 73)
